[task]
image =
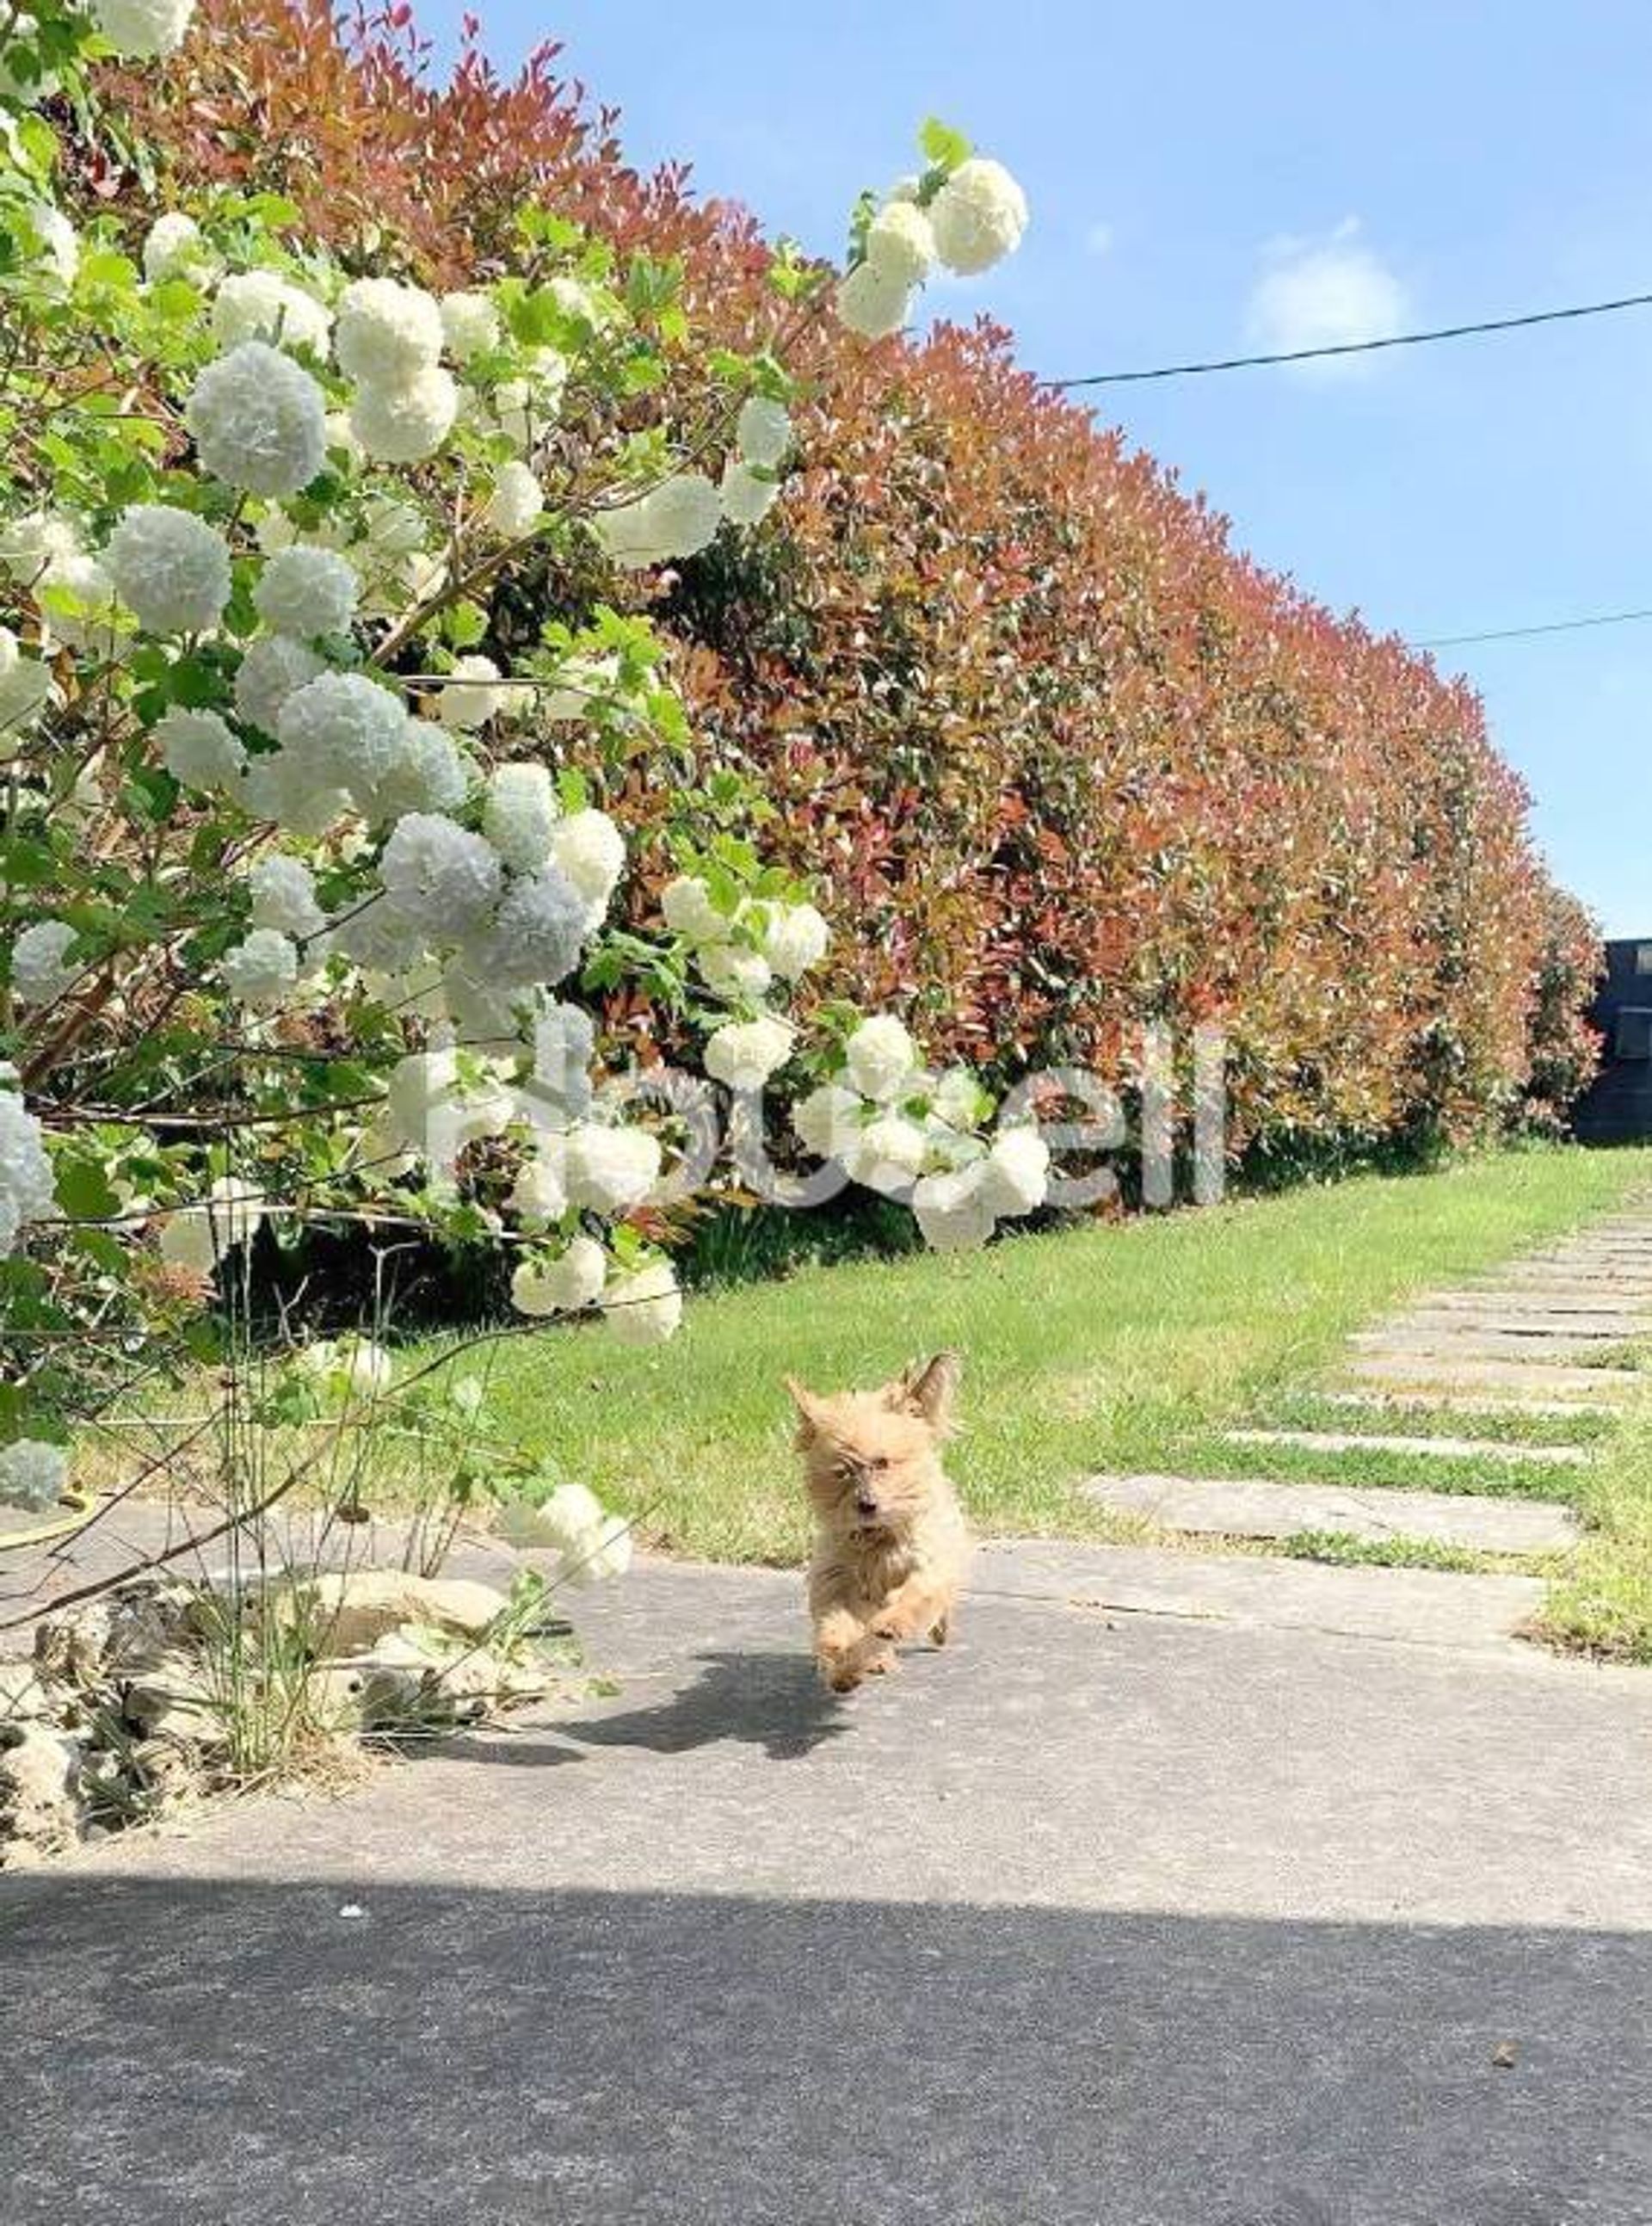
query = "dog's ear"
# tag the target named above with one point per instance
(928, 1387)
(808, 1407)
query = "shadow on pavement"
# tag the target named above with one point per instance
(773, 1701)
(213, 2053)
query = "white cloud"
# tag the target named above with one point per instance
(1323, 293)
(1098, 240)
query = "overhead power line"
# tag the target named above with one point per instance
(1359, 347)
(1525, 633)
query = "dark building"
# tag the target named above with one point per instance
(1616, 1108)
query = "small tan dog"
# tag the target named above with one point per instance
(891, 1547)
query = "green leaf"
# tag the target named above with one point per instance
(942, 145)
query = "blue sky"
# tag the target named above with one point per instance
(1204, 179)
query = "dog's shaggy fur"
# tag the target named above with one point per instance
(891, 1547)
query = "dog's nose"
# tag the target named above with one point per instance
(865, 1503)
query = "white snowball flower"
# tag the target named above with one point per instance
(890, 1153)
(199, 748)
(470, 324)
(517, 501)
(273, 669)
(959, 1100)
(586, 678)
(978, 216)
(677, 519)
(565, 1285)
(40, 972)
(1017, 1171)
(355, 1367)
(539, 930)
(260, 420)
(78, 602)
(263, 970)
(59, 247)
(440, 875)
(32, 1473)
(900, 245)
(687, 905)
(570, 1520)
(27, 1191)
(881, 1058)
(25, 691)
(872, 303)
(474, 694)
(197, 1236)
(276, 786)
(342, 730)
(539, 1195)
(30, 544)
(590, 849)
(304, 592)
(386, 334)
(828, 1121)
(144, 31)
(763, 431)
(170, 568)
(953, 1211)
(610, 1170)
(283, 896)
(645, 1307)
(728, 972)
(795, 939)
(611, 1555)
(429, 775)
(484, 1012)
(745, 1054)
(519, 812)
(261, 305)
(175, 248)
(405, 424)
(747, 498)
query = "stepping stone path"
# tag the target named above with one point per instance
(1523, 1341)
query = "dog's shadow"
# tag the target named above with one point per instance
(773, 1701)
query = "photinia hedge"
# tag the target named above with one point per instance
(1076, 763)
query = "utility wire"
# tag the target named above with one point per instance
(1358, 348)
(1524, 633)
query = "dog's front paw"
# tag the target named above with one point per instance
(880, 1662)
(839, 1673)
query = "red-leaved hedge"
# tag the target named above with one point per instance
(1068, 760)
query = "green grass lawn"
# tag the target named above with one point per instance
(1128, 1345)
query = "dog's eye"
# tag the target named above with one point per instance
(878, 1461)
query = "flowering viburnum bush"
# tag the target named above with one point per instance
(309, 858)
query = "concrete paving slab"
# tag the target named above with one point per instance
(1418, 1607)
(1536, 1326)
(1519, 1302)
(1397, 1441)
(1448, 1402)
(1554, 1286)
(1256, 1507)
(1448, 1342)
(1590, 1386)
(1166, 1923)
